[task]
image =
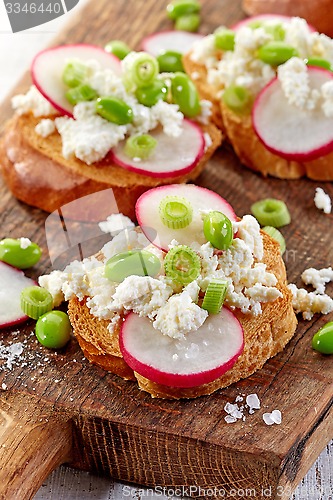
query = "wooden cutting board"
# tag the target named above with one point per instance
(57, 408)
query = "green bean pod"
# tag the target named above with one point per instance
(184, 93)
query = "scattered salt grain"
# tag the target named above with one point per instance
(253, 402)
(322, 201)
(3, 387)
(230, 419)
(239, 399)
(25, 243)
(11, 354)
(272, 418)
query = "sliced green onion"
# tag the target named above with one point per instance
(185, 94)
(225, 39)
(190, 22)
(218, 230)
(271, 212)
(140, 69)
(214, 296)
(74, 74)
(182, 264)
(114, 110)
(237, 98)
(81, 93)
(322, 341)
(320, 62)
(175, 212)
(140, 146)
(170, 61)
(118, 48)
(275, 53)
(276, 235)
(133, 262)
(36, 301)
(179, 8)
(150, 95)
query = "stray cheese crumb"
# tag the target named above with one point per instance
(323, 201)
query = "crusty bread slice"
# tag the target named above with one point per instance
(247, 146)
(265, 335)
(37, 173)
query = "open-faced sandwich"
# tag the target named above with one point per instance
(270, 81)
(92, 121)
(190, 301)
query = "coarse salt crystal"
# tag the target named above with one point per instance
(25, 243)
(274, 417)
(3, 387)
(253, 402)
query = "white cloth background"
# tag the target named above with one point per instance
(16, 52)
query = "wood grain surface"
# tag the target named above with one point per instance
(115, 429)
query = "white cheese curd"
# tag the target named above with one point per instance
(45, 127)
(204, 51)
(53, 283)
(310, 303)
(318, 278)
(115, 223)
(141, 294)
(327, 94)
(298, 35)
(32, 102)
(89, 137)
(25, 243)
(169, 116)
(181, 315)
(322, 201)
(206, 111)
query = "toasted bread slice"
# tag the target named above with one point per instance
(37, 173)
(247, 146)
(265, 335)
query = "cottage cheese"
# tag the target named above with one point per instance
(25, 243)
(45, 127)
(32, 102)
(327, 94)
(323, 201)
(318, 278)
(181, 315)
(115, 223)
(310, 303)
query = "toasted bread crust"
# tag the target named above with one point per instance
(37, 173)
(265, 335)
(249, 149)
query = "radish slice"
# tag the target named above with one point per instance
(147, 213)
(289, 131)
(203, 356)
(48, 66)
(269, 18)
(172, 156)
(179, 41)
(12, 282)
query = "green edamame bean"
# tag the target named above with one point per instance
(218, 230)
(276, 30)
(190, 22)
(81, 93)
(225, 39)
(74, 73)
(12, 253)
(170, 61)
(150, 95)
(137, 262)
(237, 98)
(184, 93)
(179, 8)
(114, 110)
(53, 329)
(118, 48)
(275, 53)
(320, 62)
(322, 341)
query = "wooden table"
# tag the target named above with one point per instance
(238, 185)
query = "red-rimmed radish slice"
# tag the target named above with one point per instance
(269, 18)
(203, 356)
(12, 282)
(48, 66)
(289, 131)
(171, 157)
(179, 41)
(147, 213)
